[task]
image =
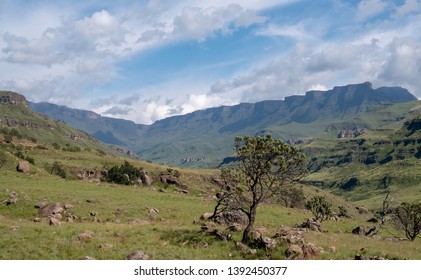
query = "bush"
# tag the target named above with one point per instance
(56, 169)
(124, 174)
(320, 207)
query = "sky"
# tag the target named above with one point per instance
(147, 60)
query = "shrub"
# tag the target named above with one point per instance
(124, 174)
(292, 197)
(320, 207)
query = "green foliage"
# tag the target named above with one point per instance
(320, 207)
(264, 166)
(20, 155)
(343, 212)
(124, 174)
(3, 158)
(57, 169)
(408, 218)
(292, 197)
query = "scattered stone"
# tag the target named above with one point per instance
(137, 255)
(362, 210)
(394, 238)
(372, 231)
(93, 214)
(310, 251)
(241, 247)
(54, 222)
(229, 217)
(163, 190)
(145, 178)
(105, 246)
(153, 211)
(290, 235)
(206, 215)
(87, 258)
(57, 216)
(267, 243)
(358, 230)
(294, 252)
(235, 227)
(373, 220)
(40, 205)
(139, 223)
(37, 220)
(68, 206)
(23, 166)
(332, 249)
(208, 226)
(50, 209)
(86, 235)
(311, 225)
(221, 235)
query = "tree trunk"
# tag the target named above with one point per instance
(252, 217)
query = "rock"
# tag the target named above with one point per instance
(208, 226)
(105, 246)
(290, 235)
(54, 222)
(86, 235)
(23, 166)
(294, 252)
(206, 215)
(373, 220)
(87, 258)
(39, 205)
(221, 235)
(153, 211)
(358, 230)
(139, 223)
(57, 216)
(235, 227)
(362, 210)
(68, 206)
(310, 251)
(145, 178)
(137, 255)
(332, 249)
(372, 231)
(311, 225)
(241, 247)
(229, 217)
(267, 243)
(50, 209)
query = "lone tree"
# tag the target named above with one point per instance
(265, 165)
(320, 207)
(408, 218)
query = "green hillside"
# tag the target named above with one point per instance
(103, 220)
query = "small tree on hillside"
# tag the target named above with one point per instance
(408, 218)
(264, 166)
(320, 207)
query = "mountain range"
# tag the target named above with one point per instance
(205, 138)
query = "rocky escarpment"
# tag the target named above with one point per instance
(12, 98)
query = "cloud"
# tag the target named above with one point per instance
(370, 8)
(117, 111)
(410, 6)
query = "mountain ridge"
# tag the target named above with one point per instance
(208, 133)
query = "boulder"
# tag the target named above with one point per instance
(229, 217)
(362, 210)
(54, 222)
(294, 252)
(50, 209)
(137, 255)
(23, 166)
(86, 235)
(358, 230)
(310, 251)
(372, 231)
(311, 225)
(145, 178)
(290, 235)
(235, 227)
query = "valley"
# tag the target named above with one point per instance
(163, 213)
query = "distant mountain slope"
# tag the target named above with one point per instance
(19, 121)
(205, 137)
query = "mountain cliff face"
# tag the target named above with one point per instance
(206, 136)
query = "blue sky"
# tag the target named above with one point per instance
(151, 59)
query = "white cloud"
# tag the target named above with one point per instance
(370, 8)
(410, 6)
